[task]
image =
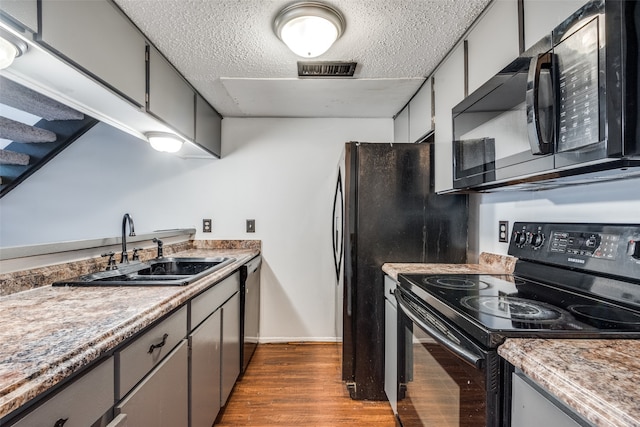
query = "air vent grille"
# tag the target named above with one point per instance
(323, 69)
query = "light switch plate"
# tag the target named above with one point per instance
(251, 226)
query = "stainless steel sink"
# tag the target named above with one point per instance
(175, 271)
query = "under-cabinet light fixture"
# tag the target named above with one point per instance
(164, 141)
(11, 47)
(309, 28)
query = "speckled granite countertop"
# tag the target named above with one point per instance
(49, 333)
(599, 379)
(488, 264)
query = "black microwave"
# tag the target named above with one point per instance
(565, 111)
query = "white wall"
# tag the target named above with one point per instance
(280, 172)
(612, 202)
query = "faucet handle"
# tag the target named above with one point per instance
(135, 256)
(159, 242)
(111, 262)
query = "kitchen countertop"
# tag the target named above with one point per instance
(487, 264)
(49, 333)
(599, 379)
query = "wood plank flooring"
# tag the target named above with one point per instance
(299, 385)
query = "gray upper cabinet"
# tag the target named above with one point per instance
(171, 99)
(98, 38)
(420, 113)
(542, 16)
(401, 126)
(489, 50)
(23, 12)
(208, 126)
(448, 91)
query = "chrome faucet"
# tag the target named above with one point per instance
(124, 257)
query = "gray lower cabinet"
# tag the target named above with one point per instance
(81, 404)
(390, 343)
(208, 127)
(146, 351)
(230, 345)
(95, 35)
(161, 399)
(532, 406)
(171, 99)
(205, 371)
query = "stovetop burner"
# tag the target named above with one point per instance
(513, 308)
(452, 282)
(611, 315)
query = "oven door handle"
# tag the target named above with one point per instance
(464, 353)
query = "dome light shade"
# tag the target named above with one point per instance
(164, 141)
(10, 48)
(309, 29)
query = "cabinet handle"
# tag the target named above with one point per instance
(60, 422)
(154, 346)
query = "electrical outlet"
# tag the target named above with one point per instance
(251, 226)
(206, 226)
(503, 231)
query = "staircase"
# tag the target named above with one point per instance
(35, 129)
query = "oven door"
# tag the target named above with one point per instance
(444, 378)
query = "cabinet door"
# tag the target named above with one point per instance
(230, 345)
(449, 90)
(171, 99)
(489, 49)
(530, 408)
(390, 344)
(161, 399)
(401, 126)
(420, 113)
(205, 371)
(82, 403)
(542, 16)
(208, 127)
(97, 37)
(24, 12)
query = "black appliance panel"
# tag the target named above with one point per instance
(391, 215)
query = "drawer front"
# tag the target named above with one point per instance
(162, 398)
(209, 301)
(139, 357)
(82, 403)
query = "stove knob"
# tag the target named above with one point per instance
(520, 238)
(537, 240)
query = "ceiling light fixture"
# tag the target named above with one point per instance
(164, 141)
(309, 28)
(10, 48)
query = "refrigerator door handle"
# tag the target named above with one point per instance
(337, 227)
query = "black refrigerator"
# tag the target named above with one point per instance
(390, 214)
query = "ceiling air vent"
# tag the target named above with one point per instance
(321, 69)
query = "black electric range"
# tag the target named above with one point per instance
(570, 281)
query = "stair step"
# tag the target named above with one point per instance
(12, 158)
(25, 99)
(20, 132)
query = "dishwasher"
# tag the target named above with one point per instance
(249, 310)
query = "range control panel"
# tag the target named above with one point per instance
(604, 248)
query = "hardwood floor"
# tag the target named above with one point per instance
(299, 385)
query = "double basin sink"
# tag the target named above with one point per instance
(175, 271)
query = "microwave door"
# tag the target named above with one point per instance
(581, 134)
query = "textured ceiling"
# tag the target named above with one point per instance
(229, 53)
